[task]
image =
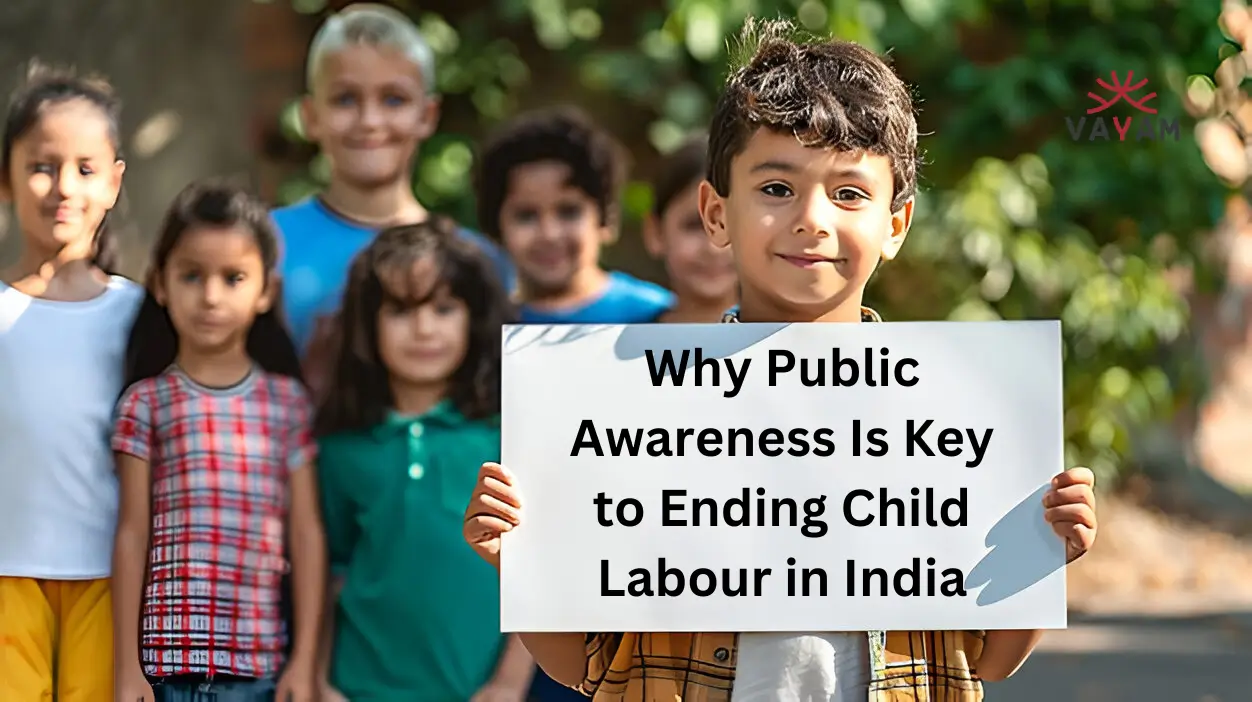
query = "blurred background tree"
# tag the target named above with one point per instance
(1021, 215)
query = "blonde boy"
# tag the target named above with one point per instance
(371, 104)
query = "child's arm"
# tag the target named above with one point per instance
(130, 561)
(308, 565)
(1003, 652)
(513, 671)
(132, 441)
(334, 585)
(562, 656)
(1070, 508)
(494, 508)
(307, 538)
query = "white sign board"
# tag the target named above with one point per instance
(805, 477)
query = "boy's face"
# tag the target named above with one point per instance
(695, 266)
(549, 227)
(806, 226)
(369, 111)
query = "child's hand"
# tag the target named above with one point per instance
(1069, 506)
(494, 508)
(328, 693)
(496, 692)
(296, 684)
(132, 687)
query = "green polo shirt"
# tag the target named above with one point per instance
(418, 619)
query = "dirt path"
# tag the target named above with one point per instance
(1145, 562)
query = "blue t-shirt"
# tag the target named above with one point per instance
(625, 300)
(318, 247)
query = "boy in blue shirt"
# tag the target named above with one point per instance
(548, 185)
(371, 104)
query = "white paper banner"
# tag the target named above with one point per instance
(805, 477)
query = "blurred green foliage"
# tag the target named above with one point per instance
(1016, 218)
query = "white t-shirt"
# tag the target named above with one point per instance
(61, 372)
(802, 667)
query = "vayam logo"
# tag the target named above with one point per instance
(1138, 123)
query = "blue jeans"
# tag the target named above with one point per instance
(232, 691)
(545, 689)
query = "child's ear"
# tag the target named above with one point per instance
(901, 220)
(652, 236)
(308, 118)
(115, 182)
(713, 214)
(612, 224)
(429, 119)
(157, 286)
(269, 294)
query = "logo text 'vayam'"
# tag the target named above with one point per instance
(1148, 125)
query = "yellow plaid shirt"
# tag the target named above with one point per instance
(910, 666)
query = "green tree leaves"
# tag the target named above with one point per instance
(1015, 218)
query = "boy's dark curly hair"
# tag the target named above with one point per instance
(596, 160)
(681, 168)
(829, 93)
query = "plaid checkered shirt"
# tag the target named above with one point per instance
(905, 666)
(220, 460)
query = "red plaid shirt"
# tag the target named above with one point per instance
(220, 459)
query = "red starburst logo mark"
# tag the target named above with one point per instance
(1122, 91)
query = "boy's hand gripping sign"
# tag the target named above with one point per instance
(774, 477)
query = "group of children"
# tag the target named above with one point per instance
(269, 472)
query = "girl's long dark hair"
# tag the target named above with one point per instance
(46, 86)
(359, 393)
(153, 343)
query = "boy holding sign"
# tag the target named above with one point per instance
(811, 177)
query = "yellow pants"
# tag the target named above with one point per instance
(56, 640)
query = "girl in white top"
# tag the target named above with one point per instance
(63, 326)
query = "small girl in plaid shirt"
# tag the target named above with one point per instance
(214, 457)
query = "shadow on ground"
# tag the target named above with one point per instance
(1138, 659)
